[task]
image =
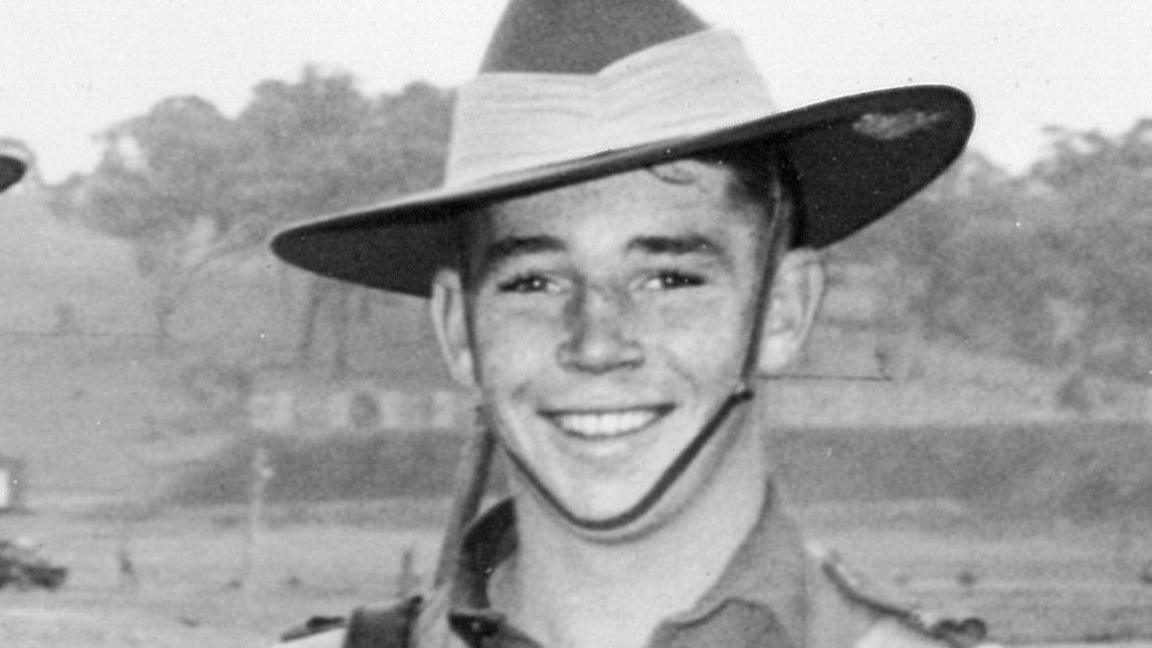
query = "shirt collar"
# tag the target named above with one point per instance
(766, 571)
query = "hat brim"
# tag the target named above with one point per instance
(11, 170)
(854, 159)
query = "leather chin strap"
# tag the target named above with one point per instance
(650, 498)
(741, 393)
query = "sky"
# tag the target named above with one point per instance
(74, 67)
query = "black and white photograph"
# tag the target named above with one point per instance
(576, 324)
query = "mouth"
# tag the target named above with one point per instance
(607, 424)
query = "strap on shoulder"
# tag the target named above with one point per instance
(957, 633)
(383, 626)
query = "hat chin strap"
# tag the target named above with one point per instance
(653, 495)
(741, 393)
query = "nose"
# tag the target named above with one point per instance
(599, 333)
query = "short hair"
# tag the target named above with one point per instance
(762, 177)
(759, 178)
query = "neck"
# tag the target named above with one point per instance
(575, 589)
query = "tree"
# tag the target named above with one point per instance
(1102, 190)
(323, 149)
(190, 187)
(1108, 177)
(1051, 266)
(157, 180)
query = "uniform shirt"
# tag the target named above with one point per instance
(772, 594)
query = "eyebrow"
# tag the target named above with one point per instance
(676, 245)
(688, 244)
(501, 251)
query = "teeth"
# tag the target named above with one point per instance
(607, 424)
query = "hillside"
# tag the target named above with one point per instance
(100, 414)
(48, 267)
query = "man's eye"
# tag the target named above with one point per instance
(670, 280)
(525, 284)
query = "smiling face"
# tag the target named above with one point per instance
(605, 324)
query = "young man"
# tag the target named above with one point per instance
(625, 242)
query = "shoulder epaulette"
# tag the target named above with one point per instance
(387, 625)
(313, 626)
(958, 633)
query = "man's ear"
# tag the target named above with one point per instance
(797, 290)
(450, 321)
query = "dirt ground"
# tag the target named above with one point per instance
(182, 589)
(1035, 583)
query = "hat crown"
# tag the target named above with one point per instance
(582, 36)
(572, 90)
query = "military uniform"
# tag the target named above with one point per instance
(774, 592)
(573, 91)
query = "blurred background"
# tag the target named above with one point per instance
(217, 446)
